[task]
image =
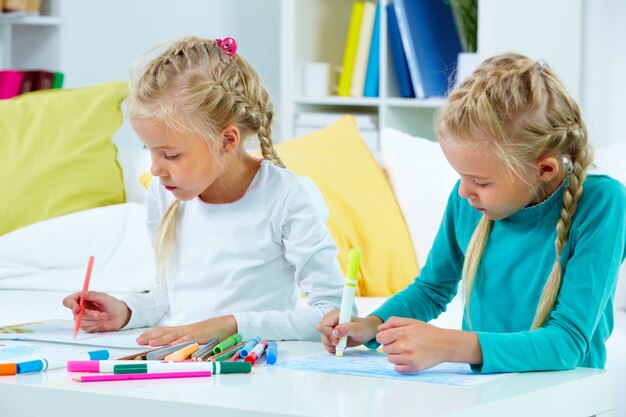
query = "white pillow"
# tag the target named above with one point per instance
(53, 254)
(611, 160)
(422, 181)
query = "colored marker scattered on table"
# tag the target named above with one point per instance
(130, 377)
(347, 298)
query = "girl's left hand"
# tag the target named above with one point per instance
(201, 332)
(412, 345)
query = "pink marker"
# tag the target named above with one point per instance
(256, 352)
(130, 377)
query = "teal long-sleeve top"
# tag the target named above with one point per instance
(514, 268)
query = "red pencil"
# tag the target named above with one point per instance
(81, 310)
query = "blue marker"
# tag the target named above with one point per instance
(59, 361)
(248, 346)
(271, 353)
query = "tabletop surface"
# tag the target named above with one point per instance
(271, 391)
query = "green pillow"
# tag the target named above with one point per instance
(56, 153)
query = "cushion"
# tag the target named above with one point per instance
(422, 180)
(56, 153)
(364, 213)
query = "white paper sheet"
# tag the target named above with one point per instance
(375, 364)
(61, 331)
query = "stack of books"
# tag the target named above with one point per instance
(16, 82)
(424, 43)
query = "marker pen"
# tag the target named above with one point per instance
(126, 377)
(248, 346)
(256, 352)
(271, 353)
(164, 367)
(231, 340)
(58, 361)
(160, 354)
(347, 298)
(98, 365)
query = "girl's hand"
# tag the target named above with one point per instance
(412, 345)
(201, 332)
(102, 313)
(359, 330)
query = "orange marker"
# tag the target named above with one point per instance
(81, 310)
(8, 369)
(182, 354)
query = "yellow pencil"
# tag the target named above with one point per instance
(182, 354)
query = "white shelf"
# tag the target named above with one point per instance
(316, 30)
(31, 40)
(28, 19)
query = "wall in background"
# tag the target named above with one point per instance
(604, 70)
(99, 40)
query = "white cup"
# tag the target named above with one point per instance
(316, 79)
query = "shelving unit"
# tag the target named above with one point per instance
(315, 31)
(31, 41)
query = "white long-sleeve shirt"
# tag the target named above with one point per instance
(251, 258)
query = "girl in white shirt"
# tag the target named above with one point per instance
(237, 239)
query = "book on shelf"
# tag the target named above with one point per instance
(16, 82)
(373, 64)
(10, 83)
(398, 56)
(349, 52)
(363, 49)
(431, 44)
(36, 80)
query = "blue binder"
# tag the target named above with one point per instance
(397, 53)
(432, 42)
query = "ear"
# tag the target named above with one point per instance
(548, 168)
(230, 138)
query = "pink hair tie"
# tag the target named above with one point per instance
(229, 45)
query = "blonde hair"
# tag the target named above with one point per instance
(524, 110)
(194, 86)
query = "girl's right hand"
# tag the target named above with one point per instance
(102, 313)
(360, 330)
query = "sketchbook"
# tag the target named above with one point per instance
(375, 364)
(60, 331)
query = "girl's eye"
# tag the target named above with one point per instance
(145, 147)
(482, 185)
(171, 157)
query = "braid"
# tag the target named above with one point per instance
(571, 196)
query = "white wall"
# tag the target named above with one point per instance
(99, 40)
(604, 70)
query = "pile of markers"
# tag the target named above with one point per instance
(185, 360)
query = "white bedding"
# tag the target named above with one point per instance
(53, 254)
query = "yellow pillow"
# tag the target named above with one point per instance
(56, 153)
(364, 213)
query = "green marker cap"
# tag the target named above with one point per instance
(233, 367)
(230, 341)
(140, 368)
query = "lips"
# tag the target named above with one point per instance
(168, 188)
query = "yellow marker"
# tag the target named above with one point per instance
(347, 298)
(182, 354)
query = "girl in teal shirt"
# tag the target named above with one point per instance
(536, 240)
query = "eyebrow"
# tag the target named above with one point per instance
(475, 177)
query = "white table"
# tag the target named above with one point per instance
(271, 391)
